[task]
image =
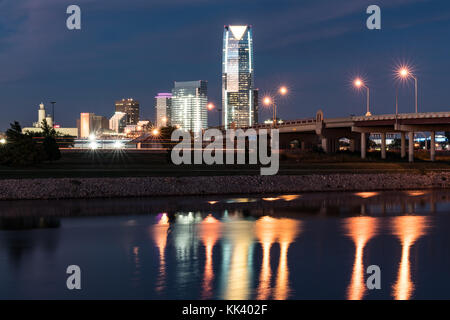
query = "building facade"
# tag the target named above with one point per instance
(118, 122)
(131, 108)
(239, 106)
(90, 123)
(163, 106)
(189, 100)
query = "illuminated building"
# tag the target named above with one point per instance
(189, 99)
(239, 97)
(163, 105)
(118, 122)
(47, 117)
(131, 108)
(90, 123)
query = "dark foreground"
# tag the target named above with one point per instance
(296, 246)
(140, 163)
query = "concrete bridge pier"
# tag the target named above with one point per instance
(383, 145)
(363, 145)
(411, 146)
(433, 146)
(403, 145)
(325, 145)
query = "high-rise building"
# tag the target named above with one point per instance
(239, 106)
(92, 124)
(163, 106)
(118, 122)
(131, 108)
(189, 99)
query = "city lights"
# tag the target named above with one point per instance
(210, 106)
(118, 145)
(283, 90)
(2, 141)
(267, 101)
(93, 145)
(155, 132)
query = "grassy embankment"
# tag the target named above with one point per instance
(133, 163)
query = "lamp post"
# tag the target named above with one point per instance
(405, 73)
(53, 112)
(282, 91)
(358, 84)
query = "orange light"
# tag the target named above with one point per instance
(358, 83)
(403, 72)
(155, 132)
(267, 101)
(283, 90)
(210, 106)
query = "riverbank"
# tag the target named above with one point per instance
(86, 188)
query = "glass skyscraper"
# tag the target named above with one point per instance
(239, 106)
(189, 99)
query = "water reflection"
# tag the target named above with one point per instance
(360, 230)
(210, 232)
(160, 232)
(288, 230)
(408, 229)
(233, 248)
(237, 265)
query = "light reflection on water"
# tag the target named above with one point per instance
(272, 247)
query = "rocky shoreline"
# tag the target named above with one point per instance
(86, 188)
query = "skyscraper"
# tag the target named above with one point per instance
(239, 105)
(131, 108)
(189, 99)
(163, 106)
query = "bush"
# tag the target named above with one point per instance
(20, 149)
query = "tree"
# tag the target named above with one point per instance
(20, 149)
(49, 144)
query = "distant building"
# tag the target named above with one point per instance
(163, 106)
(118, 122)
(90, 123)
(189, 100)
(131, 108)
(43, 116)
(239, 105)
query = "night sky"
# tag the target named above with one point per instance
(137, 48)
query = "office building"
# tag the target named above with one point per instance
(118, 122)
(163, 105)
(131, 108)
(189, 100)
(239, 106)
(90, 123)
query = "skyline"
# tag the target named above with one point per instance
(323, 48)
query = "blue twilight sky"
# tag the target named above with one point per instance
(136, 48)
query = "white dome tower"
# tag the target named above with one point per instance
(41, 114)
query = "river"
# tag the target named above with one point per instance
(291, 246)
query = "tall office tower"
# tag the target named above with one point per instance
(118, 122)
(163, 106)
(131, 108)
(238, 102)
(189, 99)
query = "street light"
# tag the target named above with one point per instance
(271, 101)
(53, 113)
(358, 84)
(405, 73)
